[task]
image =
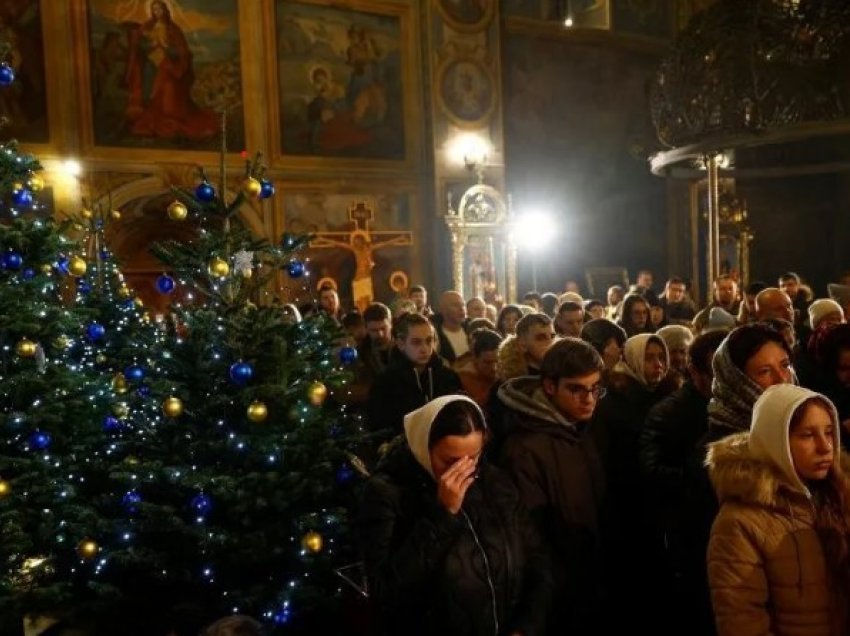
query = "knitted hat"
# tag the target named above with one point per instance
(676, 336)
(719, 318)
(821, 308)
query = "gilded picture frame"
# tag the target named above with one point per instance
(467, 91)
(467, 16)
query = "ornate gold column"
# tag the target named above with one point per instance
(713, 237)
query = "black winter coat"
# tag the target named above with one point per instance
(430, 572)
(400, 389)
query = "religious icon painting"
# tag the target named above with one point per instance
(162, 72)
(466, 91)
(23, 104)
(344, 80)
(467, 15)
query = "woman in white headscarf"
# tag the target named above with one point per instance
(447, 545)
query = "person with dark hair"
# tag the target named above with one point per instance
(747, 309)
(800, 295)
(779, 553)
(414, 376)
(678, 308)
(570, 319)
(634, 317)
(447, 544)
(607, 338)
(594, 309)
(548, 304)
(419, 296)
(353, 324)
(554, 463)
(478, 381)
(725, 297)
(329, 301)
(657, 317)
(532, 299)
(373, 353)
(833, 359)
(509, 316)
(522, 353)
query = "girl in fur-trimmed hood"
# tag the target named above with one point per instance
(779, 554)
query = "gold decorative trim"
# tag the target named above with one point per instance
(458, 120)
(467, 27)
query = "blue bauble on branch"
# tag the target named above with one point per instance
(22, 198)
(241, 372)
(7, 74)
(344, 474)
(134, 373)
(130, 502)
(95, 331)
(61, 264)
(266, 189)
(29, 274)
(83, 286)
(112, 424)
(295, 269)
(143, 391)
(12, 260)
(205, 192)
(40, 440)
(348, 355)
(201, 504)
(165, 284)
(105, 255)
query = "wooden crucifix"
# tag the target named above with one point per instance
(362, 241)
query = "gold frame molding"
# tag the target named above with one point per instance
(411, 92)
(441, 101)
(465, 27)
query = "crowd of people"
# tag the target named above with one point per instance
(563, 465)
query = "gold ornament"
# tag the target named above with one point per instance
(251, 187)
(100, 358)
(312, 542)
(86, 214)
(36, 183)
(132, 460)
(138, 302)
(61, 342)
(124, 291)
(247, 273)
(77, 266)
(115, 214)
(5, 488)
(317, 393)
(119, 383)
(87, 549)
(218, 267)
(120, 409)
(146, 317)
(46, 268)
(257, 411)
(177, 211)
(172, 407)
(25, 348)
(18, 185)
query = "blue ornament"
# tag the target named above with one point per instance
(295, 269)
(98, 224)
(40, 440)
(165, 284)
(283, 615)
(7, 75)
(205, 192)
(22, 198)
(12, 260)
(83, 286)
(134, 373)
(348, 355)
(241, 372)
(266, 189)
(112, 424)
(61, 264)
(344, 474)
(28, 273)
(129, 304)
(143, 391)
(201, 504)
(130, 502)
(95, 331)
(105, 255)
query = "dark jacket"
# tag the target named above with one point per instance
(557, 470)
(446, 350)
(430, 572)
(400, 389)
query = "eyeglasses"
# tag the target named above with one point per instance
(579, 392)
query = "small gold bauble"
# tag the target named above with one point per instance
(61, 342)
(257, 411)
(115, 214)
(317, 393)
(124, 291)
(5, 488)
(177, 211)
(132, 460)
(100, 358)
(119, 383)
(87, 549)
(46, 268)
(251, 187)
(18, 185)
(36, 183)
(218, 267)
(312, 542)
(77, 266)
(25, 348)
(86, 214)
(146, 317)
(172, 407)
(138, 302)
(120, 409)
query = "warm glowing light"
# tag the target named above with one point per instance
(72, 167)
(469, 149)
(535, 229)
(568, 22)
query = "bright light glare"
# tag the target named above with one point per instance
(535, 229)
(72, 167)
(469, 148)
(569, 21)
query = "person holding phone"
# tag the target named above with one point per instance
(447, 545)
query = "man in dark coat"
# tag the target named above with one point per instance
(560, 478)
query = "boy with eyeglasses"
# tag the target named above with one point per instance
(559, 475)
